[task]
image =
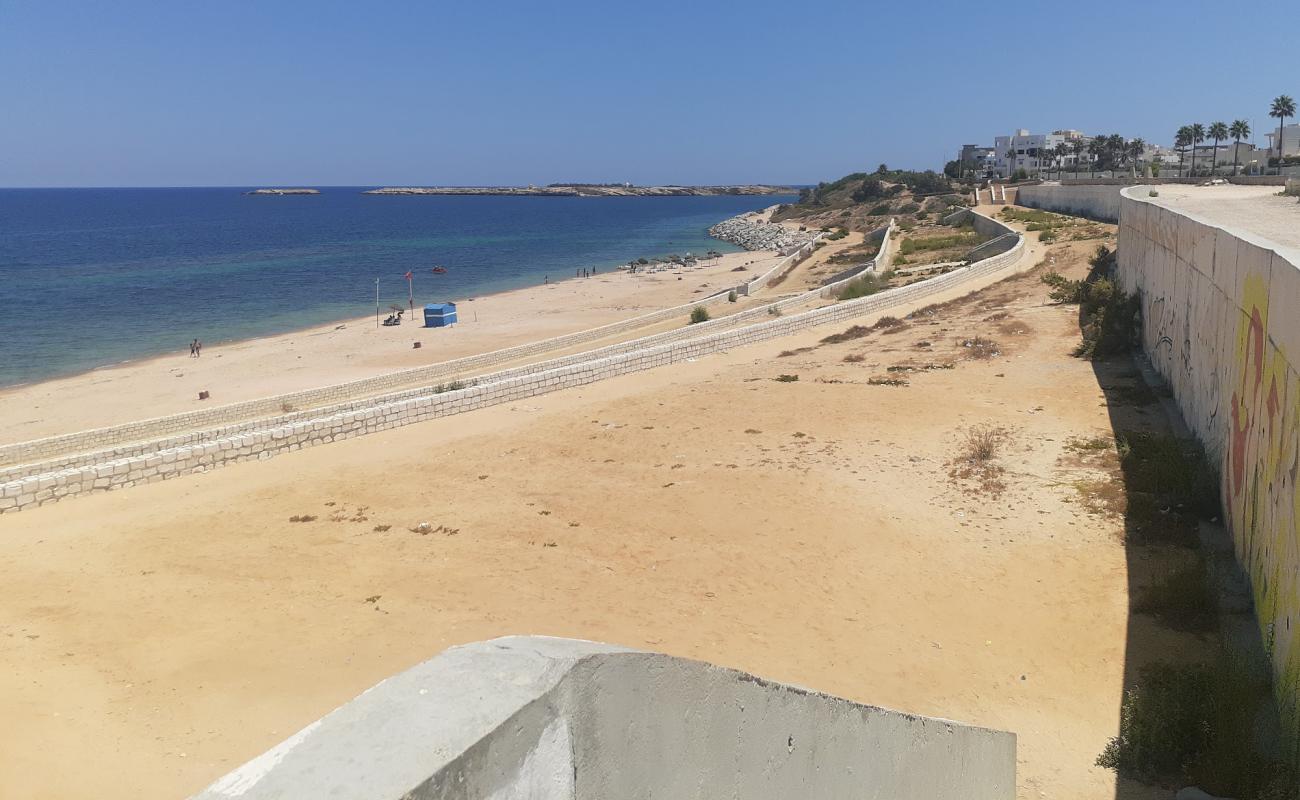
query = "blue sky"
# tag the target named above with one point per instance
(237, 92)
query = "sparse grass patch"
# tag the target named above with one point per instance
(1182, 599)
(861, 286)
(981, 349)
(855, 332)
(786, 378)
(976, 458)
(886, 382)
(303, 518)
(795, 352)
(854, 358)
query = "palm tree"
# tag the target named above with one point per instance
(1095, 148)
(1011, 162)
(1077, 148)
(1136, 147)
(1198, 135)
(1218, 131)
(1239, 130)
(1062, 150)
(1283, 107)
(1181, 140)
(1115, 148)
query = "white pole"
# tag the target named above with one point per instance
(376, 302)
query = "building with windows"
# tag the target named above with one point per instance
(1290, 140)
(1036, 152)
(976, 159)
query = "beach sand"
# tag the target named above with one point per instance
(353, 349)
(806, 531)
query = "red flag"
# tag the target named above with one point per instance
(407, 275)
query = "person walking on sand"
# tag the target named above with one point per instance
(198, 349)
(194, 348)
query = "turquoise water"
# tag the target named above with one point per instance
(90, 277)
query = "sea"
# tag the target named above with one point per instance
(96, 277)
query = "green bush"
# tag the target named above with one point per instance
(699, 314)
(861, 286)
(731, 296)
(1197, 724)
(879, 210)
(1182, 599)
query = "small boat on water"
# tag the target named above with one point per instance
(439, 270)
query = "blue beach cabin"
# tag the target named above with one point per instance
(439, 315)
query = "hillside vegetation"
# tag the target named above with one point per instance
(864, 201)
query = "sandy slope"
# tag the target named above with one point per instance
(807, 531)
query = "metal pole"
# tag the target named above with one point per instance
(376, 302)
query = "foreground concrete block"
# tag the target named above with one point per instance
(535, 717)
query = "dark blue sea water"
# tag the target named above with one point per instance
(90, 277)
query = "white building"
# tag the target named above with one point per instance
(1035, 152)
(1290, 140)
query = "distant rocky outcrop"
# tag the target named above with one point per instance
(284, 191)
(750, 233)
(587, 190)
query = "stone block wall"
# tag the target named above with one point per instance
(1220, 324)
(536, 717)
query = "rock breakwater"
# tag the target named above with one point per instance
(750, 233)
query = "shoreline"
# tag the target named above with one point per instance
(308, 328)
(348, 348)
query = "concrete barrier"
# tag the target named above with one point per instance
(536, 717)
(1220, 325)
(1094, 201)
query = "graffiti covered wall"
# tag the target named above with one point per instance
(1221, 323)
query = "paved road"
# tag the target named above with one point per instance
(1257, 209)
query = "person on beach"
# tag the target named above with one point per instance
(194, 348)
(198, 349)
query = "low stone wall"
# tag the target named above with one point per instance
(168, 458)
(536, 717)
(1220, 325)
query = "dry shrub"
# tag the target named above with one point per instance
(976, 459)
(981, 349)
(854, 358)
(855, 332)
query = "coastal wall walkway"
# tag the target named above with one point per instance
(1218, 281)
(50, 480)
(533, 716)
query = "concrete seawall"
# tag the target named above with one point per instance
(1220, 324)
(1100, 202)
(536, 717)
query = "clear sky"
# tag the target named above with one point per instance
(274, 92)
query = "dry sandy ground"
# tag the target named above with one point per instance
(1258, 209)
(806, 531)
(331, 354)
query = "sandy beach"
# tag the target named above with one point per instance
(169, 632)
(353, 349)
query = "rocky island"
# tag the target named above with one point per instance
(284, 191)
(587, 190)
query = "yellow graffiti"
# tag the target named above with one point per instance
(1263, 458)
